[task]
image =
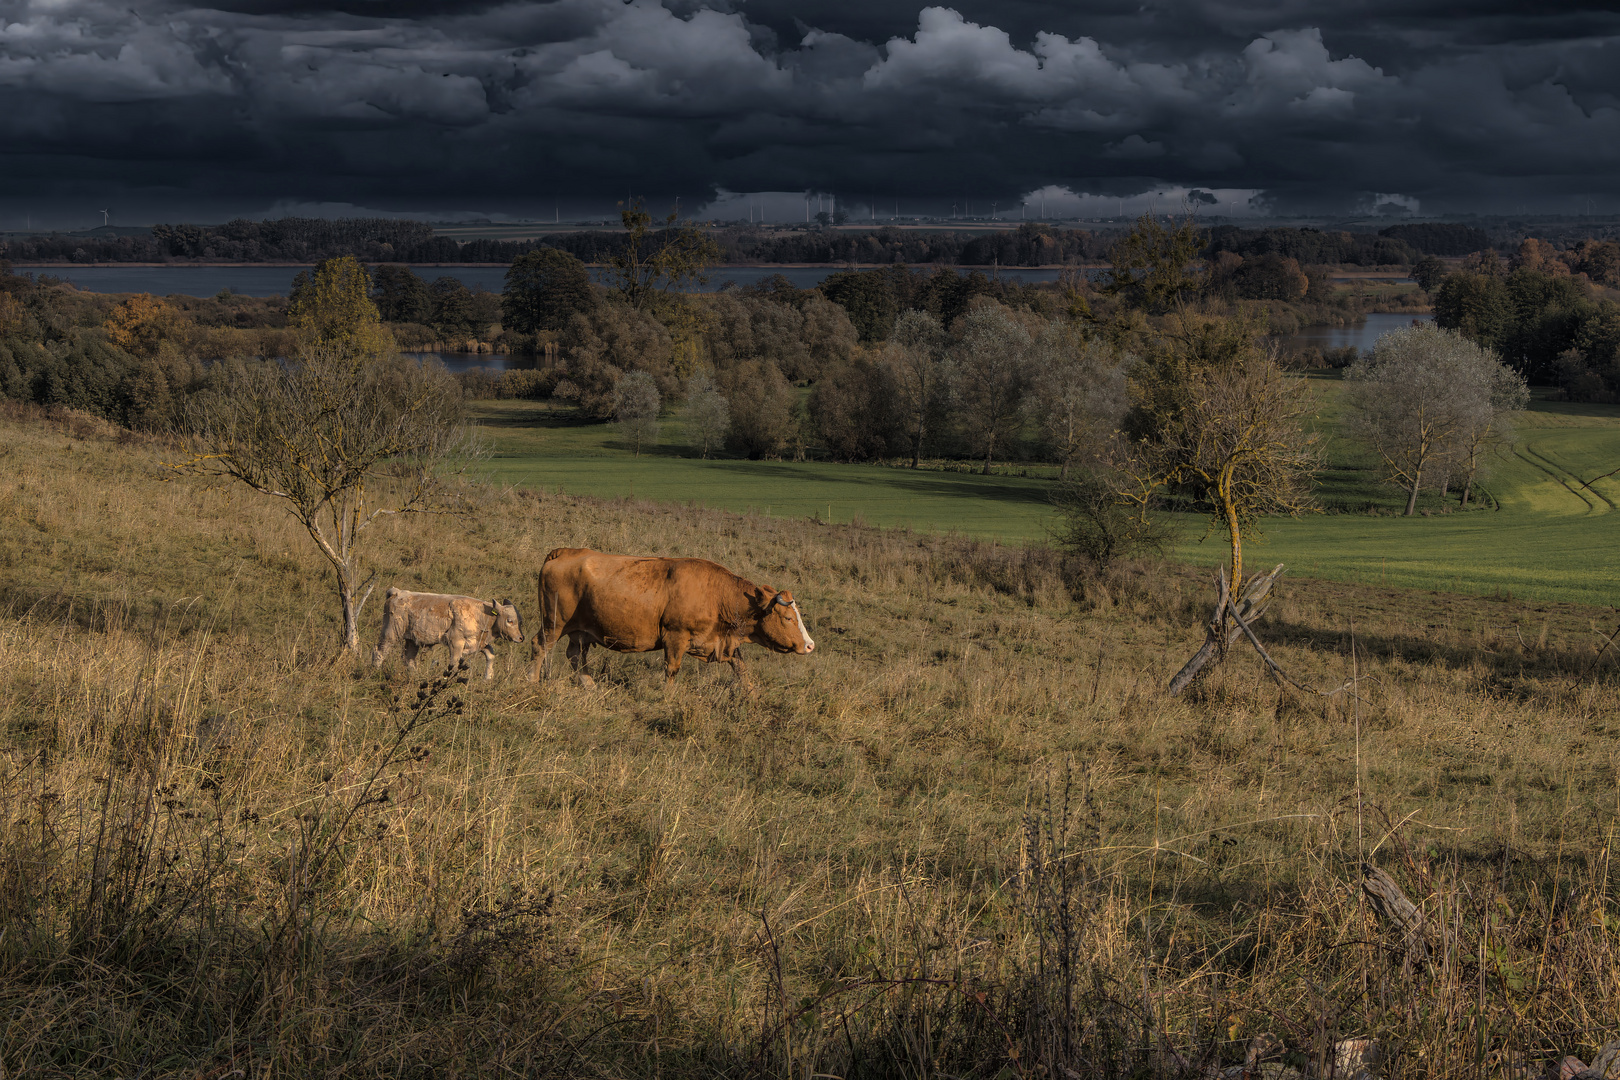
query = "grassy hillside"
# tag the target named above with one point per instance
(1549, 539)
(969, 836)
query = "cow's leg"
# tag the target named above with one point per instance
(674, 650)
(411, 649)
(579, 648)
(489, 658)
(739, 671)
(540, 652)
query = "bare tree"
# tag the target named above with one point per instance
(708, 417)
(917, 358)
(1426, 398)
(991, 376)
(1077, 392)
(635, 408)
(341, 434)
(1489, 432)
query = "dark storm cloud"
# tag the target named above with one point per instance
(506, 107)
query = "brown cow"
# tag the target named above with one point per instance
(629, 603)
(464, 623)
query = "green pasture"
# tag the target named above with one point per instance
(535, 445)
(1540, 534)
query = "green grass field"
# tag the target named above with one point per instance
(1545, 538)
(535, 445)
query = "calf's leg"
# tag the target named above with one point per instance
(390, 634)
(411, 649)
(489, 661)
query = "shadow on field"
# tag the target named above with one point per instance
(97, 614)
(1511, 659)
(905, 481)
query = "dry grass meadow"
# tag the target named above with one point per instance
(969, 836)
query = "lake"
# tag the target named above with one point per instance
(277, 280)
(1362, 335)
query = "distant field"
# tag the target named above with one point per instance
(535, 446)
(1549, 539)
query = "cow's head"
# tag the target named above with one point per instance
(780, 626)
(508, 623)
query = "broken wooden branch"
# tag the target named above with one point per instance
(1218, 635)
(1391, 903)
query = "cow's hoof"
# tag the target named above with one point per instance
(586, 682)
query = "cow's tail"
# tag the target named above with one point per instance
(551, 619)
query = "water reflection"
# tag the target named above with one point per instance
(1362, 335)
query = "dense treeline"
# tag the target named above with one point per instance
(133, 361)
(1543, 311)
(278, 240)
(1031, 244)
(384, 240)
(1398, 245)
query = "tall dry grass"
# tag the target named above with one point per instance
(968, 837)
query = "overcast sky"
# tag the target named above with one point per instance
(168, 112)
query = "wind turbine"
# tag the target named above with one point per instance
(104, 219)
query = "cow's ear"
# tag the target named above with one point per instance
(491, 609)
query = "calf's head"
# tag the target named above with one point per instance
(508, 623)
(780, 626)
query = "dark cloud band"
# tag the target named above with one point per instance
(510, 107)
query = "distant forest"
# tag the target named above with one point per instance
(383, 240)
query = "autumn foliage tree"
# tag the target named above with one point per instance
(143, 324)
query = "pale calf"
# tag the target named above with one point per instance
(464, 623)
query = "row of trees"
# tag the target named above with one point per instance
(289, 239)
(1395, 245)
(1029, 244)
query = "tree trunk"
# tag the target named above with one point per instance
(352, 604)
(988, 451)
(351, 611)
(1235, 536)
(1468, 487)
(916, 450)
(1411, 498)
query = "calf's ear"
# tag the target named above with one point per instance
(491, 609)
